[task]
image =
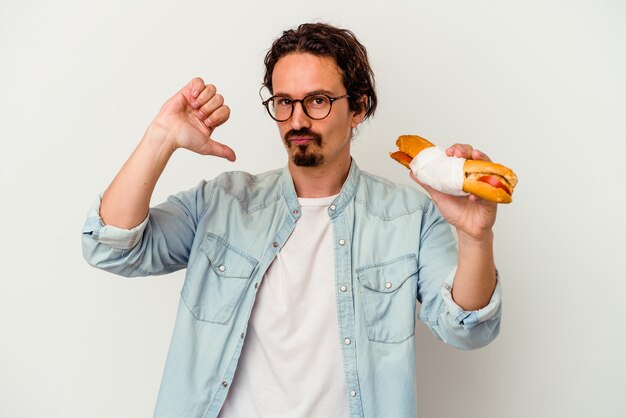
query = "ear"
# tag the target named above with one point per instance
(359, 115)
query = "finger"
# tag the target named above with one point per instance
(194, 87)
(205, 94)
(460, 150)
(218, 117)
(211, 106)
(479, 155)
(481, 201)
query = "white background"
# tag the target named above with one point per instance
(538, 85)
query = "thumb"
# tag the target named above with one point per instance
(220, 150)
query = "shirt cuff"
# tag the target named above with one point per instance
(113, 236)
(469, 319)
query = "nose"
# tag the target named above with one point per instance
(299, 119)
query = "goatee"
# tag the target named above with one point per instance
(304, 155)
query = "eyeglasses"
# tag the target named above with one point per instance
(315, 106)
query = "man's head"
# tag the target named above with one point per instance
(312, 68)
(328, 41)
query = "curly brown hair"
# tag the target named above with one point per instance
(325, 40)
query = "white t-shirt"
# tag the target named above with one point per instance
(291, 364)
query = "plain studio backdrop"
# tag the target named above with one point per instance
(539, 86)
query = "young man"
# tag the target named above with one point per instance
(301, 286)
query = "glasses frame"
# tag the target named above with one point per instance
(266, 103)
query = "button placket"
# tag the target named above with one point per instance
(342, 224)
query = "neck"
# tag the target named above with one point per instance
(319, 181)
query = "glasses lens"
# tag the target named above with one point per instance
(317, 105)
(280, 107)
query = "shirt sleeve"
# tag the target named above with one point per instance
(437, 267)
(110, 235)
(469, 319)
(160, 244)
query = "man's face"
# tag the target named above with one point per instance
(309, 142)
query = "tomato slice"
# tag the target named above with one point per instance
(495, 182)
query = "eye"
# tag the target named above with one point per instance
(318, 101)
(282, 102)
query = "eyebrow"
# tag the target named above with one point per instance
(320, 91)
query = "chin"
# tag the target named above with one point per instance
(303, 157)
(313, 160)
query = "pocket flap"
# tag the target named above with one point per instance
(226, 260)
(388, 277)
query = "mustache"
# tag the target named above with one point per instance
(317, 138)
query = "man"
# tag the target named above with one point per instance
(301, 286)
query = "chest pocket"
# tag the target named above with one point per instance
(388, 296)
(216, 282)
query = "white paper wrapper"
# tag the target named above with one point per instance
(433, 167)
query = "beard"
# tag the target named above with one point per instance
(304, 157)
(307, 155)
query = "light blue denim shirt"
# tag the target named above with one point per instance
(392, 249)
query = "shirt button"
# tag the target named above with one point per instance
(342, 242)
(221, 268)
(353, 393)
(347, 341)
(388, 285)
(333, 207)
(296, 211)
(225, 383)
(275, 244)
(343, 288)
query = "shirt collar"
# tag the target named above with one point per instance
(341, 201)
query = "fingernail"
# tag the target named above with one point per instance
(195, 93)
(208, 122)
(195, 105)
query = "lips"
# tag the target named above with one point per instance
(301, 140)
(302, 137)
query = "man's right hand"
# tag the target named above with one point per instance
(188, 119)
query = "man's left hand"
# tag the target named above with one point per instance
(470, 215)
